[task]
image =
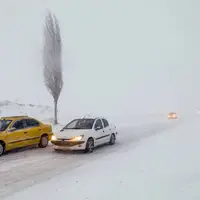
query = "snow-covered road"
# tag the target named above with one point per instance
(25, 168)
(164, 166)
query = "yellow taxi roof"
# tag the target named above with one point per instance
(13, 117)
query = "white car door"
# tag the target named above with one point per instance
(99, 132)
(107, 131)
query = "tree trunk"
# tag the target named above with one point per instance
(55, 112)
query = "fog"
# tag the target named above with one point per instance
(119, 56)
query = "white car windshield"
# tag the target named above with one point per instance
(80, 124)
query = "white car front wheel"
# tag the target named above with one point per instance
(89, 146)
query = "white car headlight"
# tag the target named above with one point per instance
(77, 138)
(53, 137)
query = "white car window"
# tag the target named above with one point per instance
(98, 124)
(105, 122)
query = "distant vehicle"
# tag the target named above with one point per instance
(172, 115)
(21, 131)
(84, 134)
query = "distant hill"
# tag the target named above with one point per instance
(10, 108)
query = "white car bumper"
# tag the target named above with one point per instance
(69, 145)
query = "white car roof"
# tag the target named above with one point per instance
(92, 117)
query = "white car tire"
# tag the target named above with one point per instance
(89, 146)
(112, 139)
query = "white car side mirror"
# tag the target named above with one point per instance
(97, 128)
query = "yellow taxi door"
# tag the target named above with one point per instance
(33, 131)
(16, 135)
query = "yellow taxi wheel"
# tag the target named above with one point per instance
(43, 141)
(2, 147)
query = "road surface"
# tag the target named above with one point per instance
(27, 167)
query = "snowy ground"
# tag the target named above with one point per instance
(33, 167)
(152, 153)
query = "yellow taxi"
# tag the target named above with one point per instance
(21, 131)
(172, 115)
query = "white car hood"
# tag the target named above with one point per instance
(69, 133)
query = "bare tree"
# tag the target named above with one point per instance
(52, 56)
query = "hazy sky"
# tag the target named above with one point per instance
(119, 56)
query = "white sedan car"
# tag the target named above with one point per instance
(84, 134)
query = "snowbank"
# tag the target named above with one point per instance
(165, 166)
(10, 108)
